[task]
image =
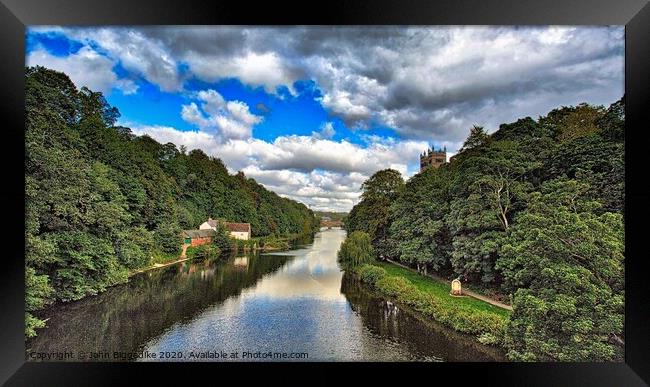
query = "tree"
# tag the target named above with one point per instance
(568, 123)
(168, 237)
(371, 215)
(100, 201)
(222, 239)
(356, 250)
(565, 265)
(417, 225)
(37, 294)
(612, 123)
(477, 137)
(489, 188)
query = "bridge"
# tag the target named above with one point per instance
(331, 223)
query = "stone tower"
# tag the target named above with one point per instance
(433, 158)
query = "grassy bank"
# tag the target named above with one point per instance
(441, 290)
(432, 299)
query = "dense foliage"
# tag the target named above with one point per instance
(371, 214)
(486, 325)
(101, 201)
(533, 210)
(356, 250)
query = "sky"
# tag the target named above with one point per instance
(312, 112)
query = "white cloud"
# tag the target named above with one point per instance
(326, 131)
(229, 119)
(324, 174)
(126, 86)
(136, 52)
(258, 69)
(85, 68)
(427, 83)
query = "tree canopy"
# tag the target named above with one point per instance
(101, 201)
(534, 211)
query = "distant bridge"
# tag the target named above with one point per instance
(331, 223)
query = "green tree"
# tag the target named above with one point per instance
(168, 237)
(100, 201)
(488, 189)
(371, 215)
(612, 123)
(38, 293)
(222, 239)
(565, 266)
(418, 228)
(477, 137)
(356, 250)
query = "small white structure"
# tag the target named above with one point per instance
(237, 230)
(456, 289)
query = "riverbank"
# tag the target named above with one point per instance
(440, 280)
(432, 299)
(159, 266)
(273, 244)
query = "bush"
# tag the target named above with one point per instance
(487, 326)
(395, 286)
(371, 274)
(206, 251)
(356, 250)
(274, 243)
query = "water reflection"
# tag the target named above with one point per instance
(296, 301)
(125, 317)
(426, 340)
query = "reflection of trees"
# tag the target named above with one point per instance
(125, 317)
(391, 321)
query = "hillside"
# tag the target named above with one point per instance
(101, 201)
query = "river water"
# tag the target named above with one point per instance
(295, 305)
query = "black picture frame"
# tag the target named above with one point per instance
(634, 14)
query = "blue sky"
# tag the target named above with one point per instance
(285, 112)
(311, 112)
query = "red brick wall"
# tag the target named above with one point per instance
(200, 241)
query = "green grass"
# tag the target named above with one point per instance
(162, 257)
(441, 290)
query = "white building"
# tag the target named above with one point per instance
(237, 230)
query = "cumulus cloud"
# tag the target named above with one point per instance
(427, 83)
(86, 67)
(324, 174)
(229, 119)
(136, 52)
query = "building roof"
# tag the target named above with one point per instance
(238, 227)
(212, 222)
(232, 227)
(198, 233)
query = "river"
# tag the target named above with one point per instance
(294, 305)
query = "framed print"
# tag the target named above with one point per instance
(453, 190)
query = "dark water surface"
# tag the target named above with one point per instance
(283, 304)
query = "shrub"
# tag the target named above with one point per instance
(274, 243)
(394, 286)
(488, 339)
(371, 274)
(207, 251)
(487, 326)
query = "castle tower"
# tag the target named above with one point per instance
(433, 158)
